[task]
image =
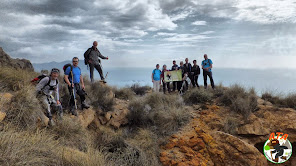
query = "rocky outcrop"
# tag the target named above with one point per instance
(87, 117)
(117, 117)
(237, 151)
(7, 61)
(198, 146)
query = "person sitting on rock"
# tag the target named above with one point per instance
(48, 91)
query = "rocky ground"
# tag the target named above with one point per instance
(205, 141)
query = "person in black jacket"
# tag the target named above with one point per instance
(195, 71)
(179, 83)
(174, 67)
(187, 70)
(92, 56)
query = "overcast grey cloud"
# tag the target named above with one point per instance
(234, 33)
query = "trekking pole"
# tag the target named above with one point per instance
(106, 75)
(73, 90)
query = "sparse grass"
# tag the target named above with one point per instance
(198, 96)
(124, 94)
(25, 109)
(140, 90)
(25, 148)
(128, 150)
(70, 133)
(14, 80)
(240, 101)
(162, 114)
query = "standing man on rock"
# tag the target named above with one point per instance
(73, 78)
(91, 58)
(207, 66)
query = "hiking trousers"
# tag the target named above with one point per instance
(77, 90)
(194, 80)
(156, 86)
(51, 105)
(98, 67)
(166, 85)
(205, 76)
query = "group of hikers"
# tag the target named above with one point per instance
(190, 75)
(47, 88)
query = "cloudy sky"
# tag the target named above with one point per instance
(234, 33)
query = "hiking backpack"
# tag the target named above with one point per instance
(86, 56)
(65, 68)
(38, 79)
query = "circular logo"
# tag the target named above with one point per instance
(277, 150)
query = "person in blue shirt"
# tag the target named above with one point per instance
(74, 72)
(207, 66)
(156, 78)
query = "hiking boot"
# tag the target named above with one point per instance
(104, 81)
(60, 114)
(51, 122)
(84, 105)
(73, 111)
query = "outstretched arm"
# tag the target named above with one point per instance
(101, 56)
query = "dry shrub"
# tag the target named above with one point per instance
(101, 96)
(140, 90)
(25, 108)
(14, 80)
(198, 96)
(124, 150)
(163, 114)
(25, 148)
(231, 124)
(124, 94)
(239, 100)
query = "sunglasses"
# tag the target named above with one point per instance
(75, 61)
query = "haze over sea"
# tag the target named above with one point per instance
(279, 81)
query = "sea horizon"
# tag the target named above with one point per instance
(274, 80)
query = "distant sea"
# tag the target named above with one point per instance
(278, 81)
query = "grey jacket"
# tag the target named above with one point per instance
(93, 55)
(43, 87)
